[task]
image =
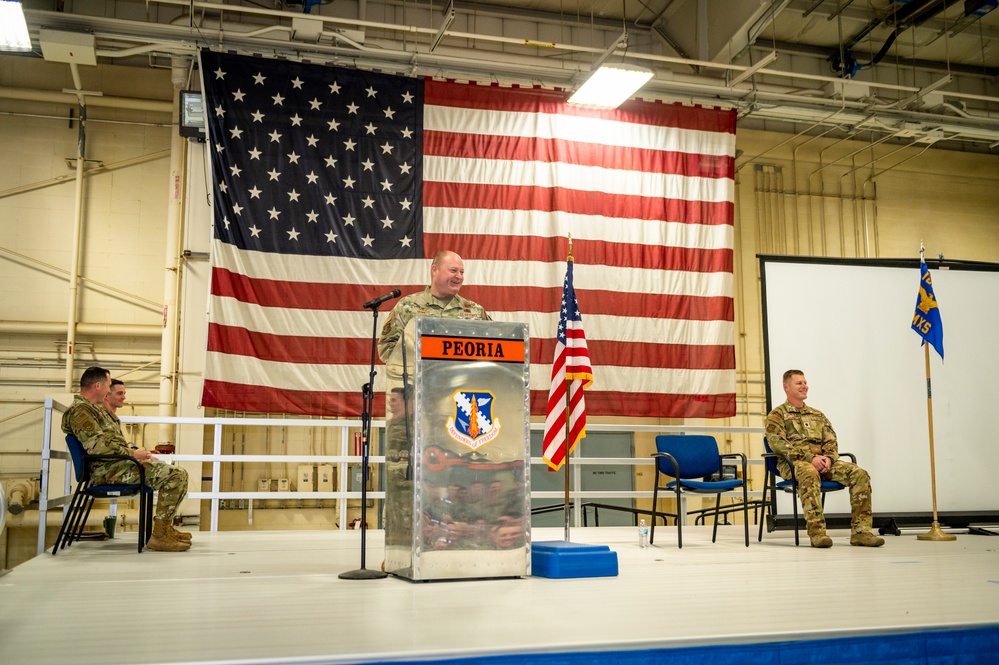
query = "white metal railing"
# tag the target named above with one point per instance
(343, 461)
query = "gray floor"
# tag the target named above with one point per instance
(274, 597)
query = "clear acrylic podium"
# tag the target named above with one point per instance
(458, 468)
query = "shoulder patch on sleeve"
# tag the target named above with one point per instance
(83, 423)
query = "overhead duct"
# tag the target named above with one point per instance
(900, 15)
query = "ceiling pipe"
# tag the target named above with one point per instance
(176, 49)
(76, 247)
(83, 328)
(172, 258)
(53, 97)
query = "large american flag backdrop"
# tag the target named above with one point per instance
(333, 186)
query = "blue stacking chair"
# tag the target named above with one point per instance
(86, 492)
(689, 460)
(773, 481)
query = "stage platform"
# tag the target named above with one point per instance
(274, 597)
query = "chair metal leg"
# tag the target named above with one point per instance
(145, 518)
(794, 502)
(68, 517)
(78, 520)
(86, 516)
(141, 535)
(67, 523)
(67, 514)
(714, 531)
(745, 503)
(680, 516)
(769, 506)
(149, 516)
(655, 504)
(764, 504)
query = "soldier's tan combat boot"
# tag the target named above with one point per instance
(182, 536)
(820, 540)
(162, 541)
(866, 539)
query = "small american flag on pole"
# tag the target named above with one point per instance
(571, 373)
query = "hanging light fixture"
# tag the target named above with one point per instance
(610, 85)
(13, 29)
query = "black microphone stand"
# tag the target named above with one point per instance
(367, 410)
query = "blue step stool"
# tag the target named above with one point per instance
(561, 559)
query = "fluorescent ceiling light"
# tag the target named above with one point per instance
(767, 59)
(610, 86)
(939, 83)
(448, 18)
(13, 29)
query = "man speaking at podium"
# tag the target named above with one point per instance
(440, 300)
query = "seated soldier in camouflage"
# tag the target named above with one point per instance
(440, 299)
(92, 424)
(115, 400)
(804, 437)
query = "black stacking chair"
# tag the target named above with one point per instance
(86, 492)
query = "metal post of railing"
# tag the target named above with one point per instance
(216, 474)
(577, 487)
(43, 496)
(344, 476)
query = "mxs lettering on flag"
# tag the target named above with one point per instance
(926, 320)
(331, 186)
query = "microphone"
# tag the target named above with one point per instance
(371, 304)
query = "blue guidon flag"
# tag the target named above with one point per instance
(473, 424)
(926, 320)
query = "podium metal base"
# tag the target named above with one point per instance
(362, 574)
(935, 533)
(561, 559)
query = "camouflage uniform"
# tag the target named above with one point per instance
(398, 490)
(97, 430)
(116, 421)
(424, 304)
(797, 434)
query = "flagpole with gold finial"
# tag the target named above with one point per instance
(568, 416)
(935, 532)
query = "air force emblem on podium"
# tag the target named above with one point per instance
(473, 424)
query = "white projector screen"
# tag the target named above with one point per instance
(846, 325)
